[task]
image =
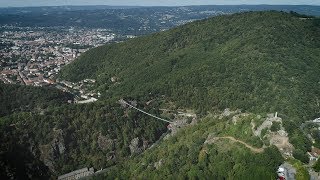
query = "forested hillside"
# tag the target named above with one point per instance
(257, 61)
(70, 137)
(197, 152)
(14, 98)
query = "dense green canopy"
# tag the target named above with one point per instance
(257, 61)
(15, 98)
(188, 156)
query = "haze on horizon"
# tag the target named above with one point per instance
(29, 3)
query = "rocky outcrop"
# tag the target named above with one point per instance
(281, 141)
(180, 122)
(279, 138)
(137, 145)
(47, 156)
(290, 171)
(105, 143)
(267, 124)
(227, 112)
(158, 164)
(176, 125)
(57, 144)
(50, 152)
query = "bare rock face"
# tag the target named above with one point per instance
(50, 152)
(136, 146)
(105, 143)
(267, 124)
(47, 156)
(279, 139)
(181, 122)
(145, 144)
(176, 125)
(57, 144)
(227, 112)
(158, 164)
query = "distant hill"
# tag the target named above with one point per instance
(257, 61)
(130, 20)
(303, 9)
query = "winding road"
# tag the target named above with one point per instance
(253, 149)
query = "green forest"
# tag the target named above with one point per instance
(258, 62)
(188, 156)
(71, 137)
(15, 98)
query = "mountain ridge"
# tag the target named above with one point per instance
(239, 61)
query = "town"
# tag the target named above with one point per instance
(34, 55)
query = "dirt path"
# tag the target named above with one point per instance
(256, 150)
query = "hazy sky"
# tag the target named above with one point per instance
(15, 3)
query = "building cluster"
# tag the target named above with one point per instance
(81, 90)
(313, 155)
(33, 56)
